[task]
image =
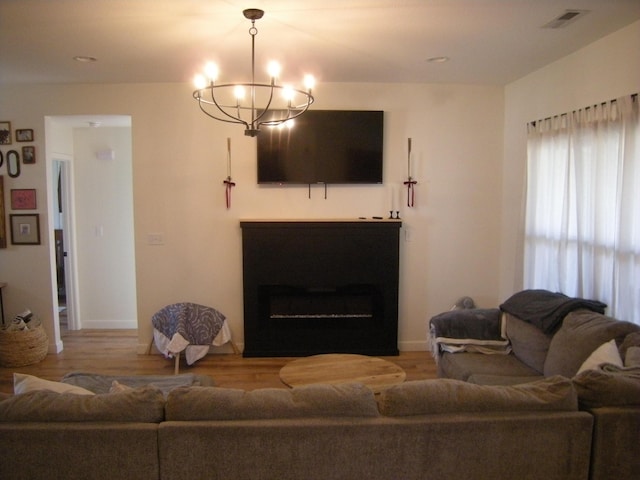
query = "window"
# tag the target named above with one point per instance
(582, 226)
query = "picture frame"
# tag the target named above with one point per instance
(3, 227)
(25, 228)
(23, 199)
(28, 155)
(24, 135)
(5, 133)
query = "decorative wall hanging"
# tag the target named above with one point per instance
(1, 159)
(3, 227)
(13, 164)
(23, 199)
(24, 135)
(228, 183)
(5, 133)
(25, 229)
(28, 155)
(410, 183)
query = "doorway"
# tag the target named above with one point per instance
(91, 222)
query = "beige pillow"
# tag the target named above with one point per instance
(528, 342)
(605, 353)
(425, 397)
(213, 403)
(23, 383)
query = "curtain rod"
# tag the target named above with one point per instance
(634, 98)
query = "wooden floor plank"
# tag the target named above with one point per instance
(113, 352)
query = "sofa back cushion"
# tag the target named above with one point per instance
(424, 397)
(581, 333)
(607, 387)
(213, 403)
(144, 405)
(528, 343)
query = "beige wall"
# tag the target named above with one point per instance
(179, 164)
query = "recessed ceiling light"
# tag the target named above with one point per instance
(85, 59)
(438, 59)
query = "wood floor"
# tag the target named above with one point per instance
(113, 352)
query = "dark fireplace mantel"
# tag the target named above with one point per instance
(314, 287)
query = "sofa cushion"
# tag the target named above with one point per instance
(630, 341)
(460, 366)
(212, 403)
(611, 387)
(581, 333)
(424, 397)
(23, 383)
(632, 358)
(528, 342)
(144, 405)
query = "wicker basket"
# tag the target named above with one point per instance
(23, 347)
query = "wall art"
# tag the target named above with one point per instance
(13, 164)
(23, 199)
(28, 155)
(25, 229)
(3, 227)
(24, 135)
(5, 133)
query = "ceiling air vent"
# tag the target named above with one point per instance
(569, 16)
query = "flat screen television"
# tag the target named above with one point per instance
(323, 146)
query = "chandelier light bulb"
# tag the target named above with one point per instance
(211, 71)
(200, 81)
(288, 93)
(309, 82)
(274, 69)
(238, 91)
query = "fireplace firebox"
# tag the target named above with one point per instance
(315, 287)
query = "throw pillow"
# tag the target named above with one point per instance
(582, 331)
(528, 343)
(213, 403)
(145, 405)
(23, 383)
(598, 388)
(605, 353)
(425, 397)
(631, 340)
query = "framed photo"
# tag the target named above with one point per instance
(3, 230)
(23, 199)
(5, 133)
(28, 155)
(24, 135)
(25, 229)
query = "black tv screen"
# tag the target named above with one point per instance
(323, 146)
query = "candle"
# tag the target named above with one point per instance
(409, 158)
(228, 157)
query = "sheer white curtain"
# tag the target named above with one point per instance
(583, 206)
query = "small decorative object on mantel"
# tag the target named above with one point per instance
(410, 183)
(229, 184)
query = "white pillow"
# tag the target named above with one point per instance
(605, 353)
(23, 383)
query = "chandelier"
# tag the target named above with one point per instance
(226, 101)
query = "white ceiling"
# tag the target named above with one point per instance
(488, 41)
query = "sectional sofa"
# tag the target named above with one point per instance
(430, 429)
(538, 334)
